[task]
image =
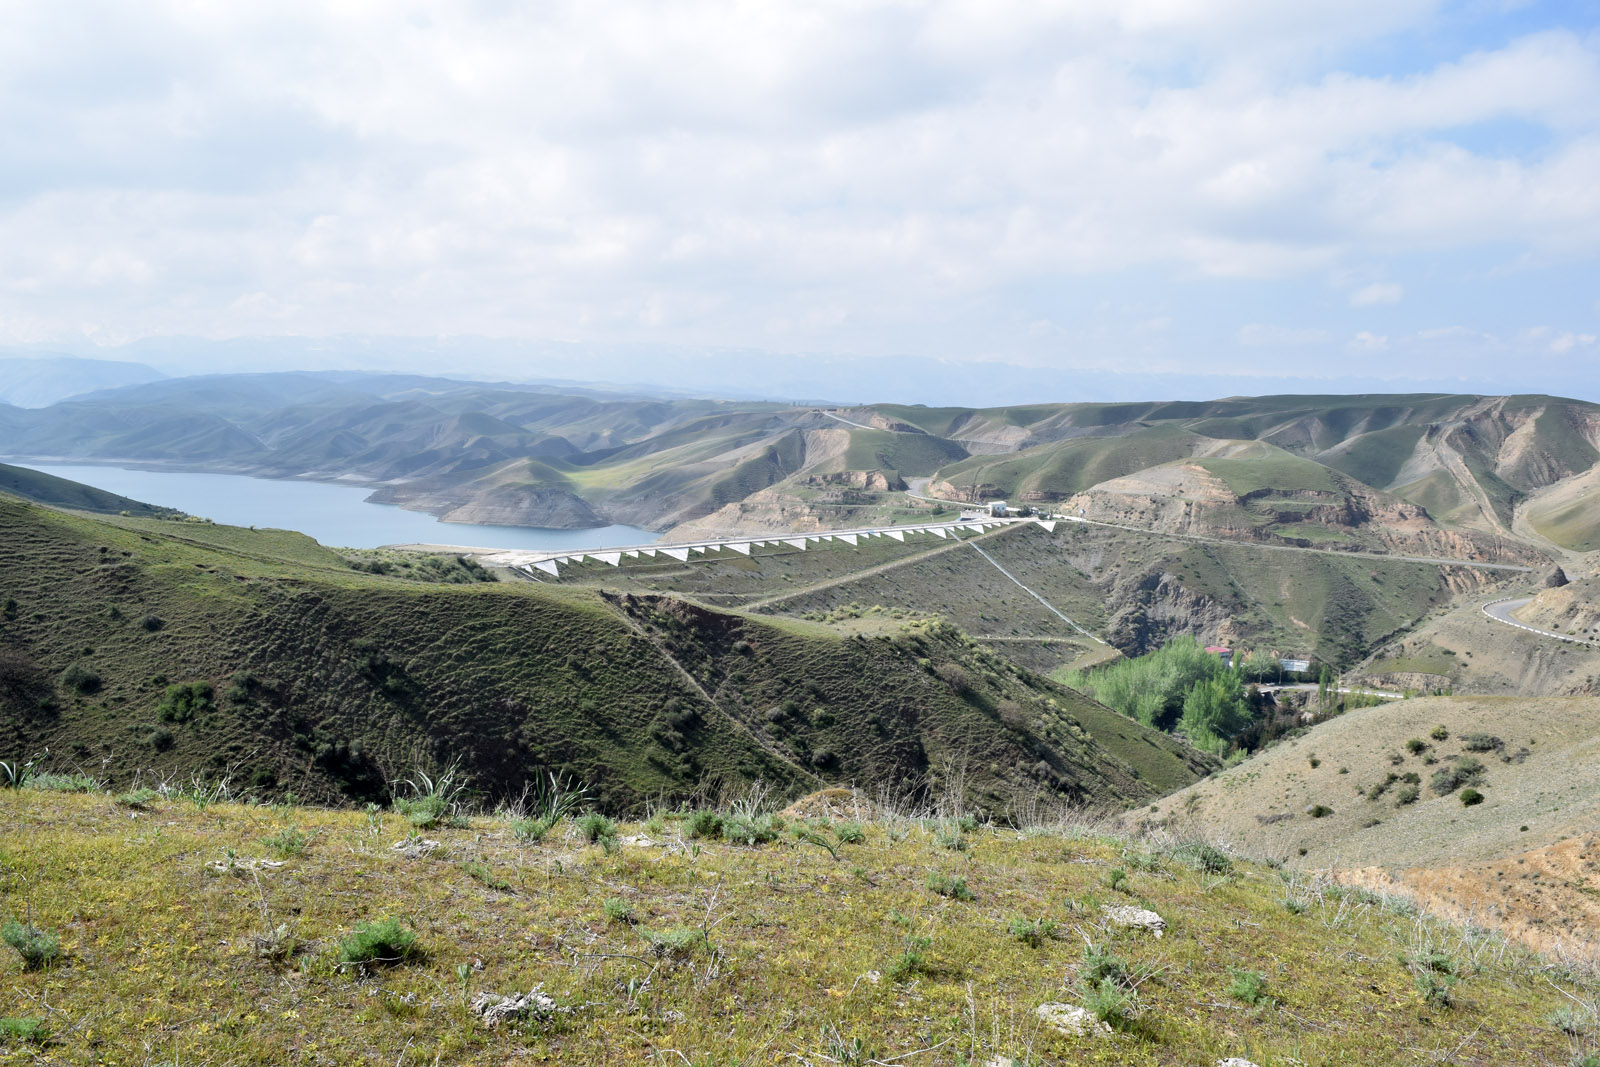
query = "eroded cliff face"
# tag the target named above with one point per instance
(1148, 610)
(1183, 498)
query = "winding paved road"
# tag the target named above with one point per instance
(1501, 611)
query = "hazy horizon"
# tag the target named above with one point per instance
(736, 374)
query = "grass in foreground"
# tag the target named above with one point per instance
(179, 944)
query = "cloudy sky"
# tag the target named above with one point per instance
(1405, 190)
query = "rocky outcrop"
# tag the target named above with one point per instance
(875, 481)
(1148, 611)
(1556, 579)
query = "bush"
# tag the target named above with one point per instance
(1205, 858)
(63, 783)
(850, 833)
(184, 701)
(1099, 964)
(955, 676)
(1319, 811)
(382, 942)
(1248, 986)
(911, 961)
(139, 799)
(949, 885)
(617, 910)
(1481, 743)
(424, 812)
(596, 828)
(26, 1029)
(678, 943)
(1469, 797)
(1032, 932)
(1465, 771)
(1439, 733)
(1416, 746)
(1108, 1002)
(80, 679)
(152, 623)
(37, 947)
(531, 831)
(749, 829)
(433, 797)
(290, 841)
(1116, 879)
(1407, 794)
(704, 824)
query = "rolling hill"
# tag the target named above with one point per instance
(45, 488)
(1458, 476)
(141, 646)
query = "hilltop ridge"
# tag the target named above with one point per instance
(135, 643)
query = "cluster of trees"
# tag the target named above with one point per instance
(1180, 687)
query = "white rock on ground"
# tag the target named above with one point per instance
(418, 848)
(1136, 918)
(1071, 1020)
(495, 1008)
(1235, 1061)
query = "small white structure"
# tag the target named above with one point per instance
(1295, 664)
(997, 508)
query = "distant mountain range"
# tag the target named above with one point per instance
(38, 381)
(1458, 476)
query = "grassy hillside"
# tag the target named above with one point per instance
(910, 454)
(1055, 472)
(1135, 590)
(1471, 800)
(875, 939)
(140, 645)
(1266, 468)
(65, 493)
(1539, 771)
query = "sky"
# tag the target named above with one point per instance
(1361, 193)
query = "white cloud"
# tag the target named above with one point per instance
(1566, 342)
(1258, 335)
(1369, 342)
(1377, 293)
(832, 175)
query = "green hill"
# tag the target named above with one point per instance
(1053, 472)
(65, 493)
(139, 646)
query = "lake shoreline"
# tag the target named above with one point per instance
(335, 514)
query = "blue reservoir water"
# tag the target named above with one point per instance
(336, 515)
